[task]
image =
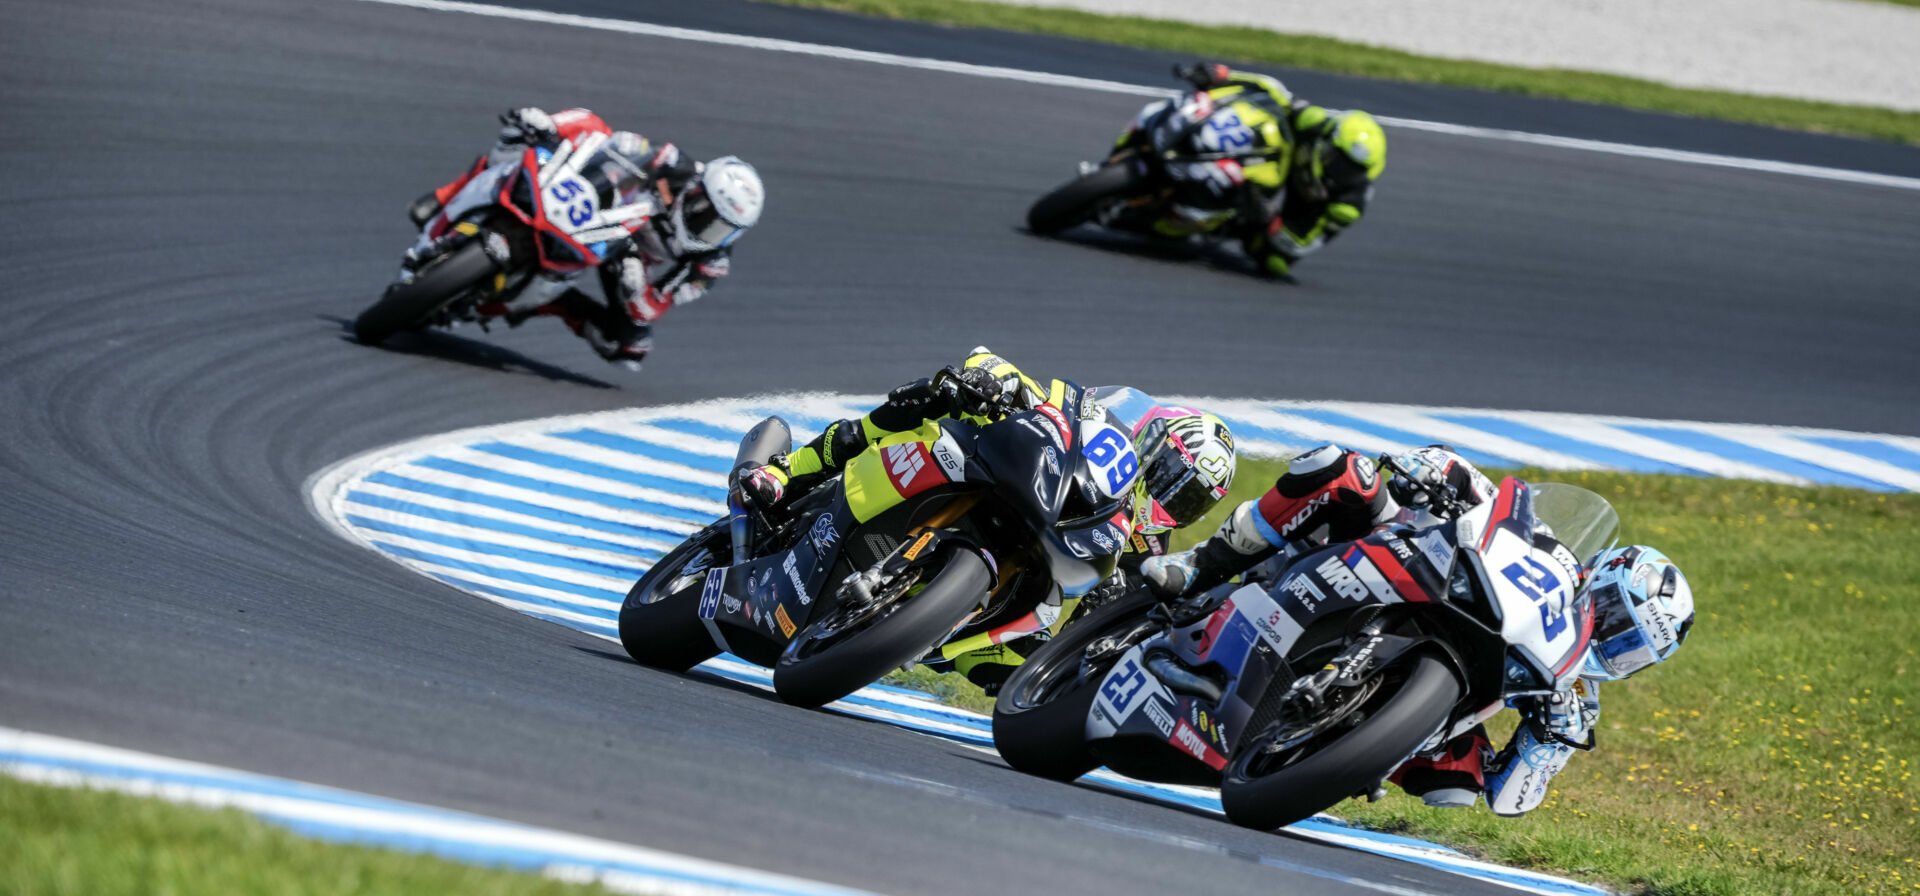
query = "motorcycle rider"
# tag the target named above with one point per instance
(1186, 461)
(1282, 217)
(671, 260)
(1643, 607)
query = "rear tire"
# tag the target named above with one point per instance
(1344, 765)
(1040, 717)
(1076, 201)
(663, 629)
(409, 305)
(890, 642)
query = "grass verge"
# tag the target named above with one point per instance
(56, 841)
(1776, 753)
(1344, 57)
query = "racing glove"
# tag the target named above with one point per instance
(970, 390)
(528, 125)
(1203, 74)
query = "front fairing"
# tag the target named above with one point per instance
(1035, 458)
(1140, 721)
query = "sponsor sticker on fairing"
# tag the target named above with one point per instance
(947, 453)
(792, 568)
(1189, 740)
(1341, 579)
(823, 534)
(1162, 719)
(786, 622)
(1064, 437)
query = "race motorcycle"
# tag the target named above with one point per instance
(929, 543)
(1189, 137)
(1297, 692)
(560, 212)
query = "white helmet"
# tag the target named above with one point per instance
(718, 206)
(1642, 608)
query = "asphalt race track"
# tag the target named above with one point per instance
(200, 193)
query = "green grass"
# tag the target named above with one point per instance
(1332, 55)
(1776, 752)
(56, 841)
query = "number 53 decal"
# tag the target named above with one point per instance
(571, 203)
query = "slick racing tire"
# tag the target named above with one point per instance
(823, 663)
(1040, 716)
(1075, 201)
(409, 305)
(660, 620)
(1267, 790)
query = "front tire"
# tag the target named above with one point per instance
(1265, 792)
(660, 620)
(1076, 201)
(1040, 717)
(815, 674)
(409, 305)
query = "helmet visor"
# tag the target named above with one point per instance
(1618, 641)
(702, 223)
(1176, 484)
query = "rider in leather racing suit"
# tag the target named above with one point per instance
(1186, 463)
(671, 260)
(1643, 609)
(1336, 157)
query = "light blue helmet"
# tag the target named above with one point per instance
(1642, 610)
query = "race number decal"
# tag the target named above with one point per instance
(1120, 688)
(1111, 456)
(1538, 582)
(571, 203)
(1225, 132)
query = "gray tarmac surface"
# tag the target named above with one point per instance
(200, 194)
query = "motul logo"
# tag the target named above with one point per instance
(904, 462)
(1189, 739)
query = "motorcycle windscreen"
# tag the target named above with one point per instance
(1580, 519)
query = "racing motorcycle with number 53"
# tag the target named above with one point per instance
(561, 212)
(1296, 692)
(931, 542)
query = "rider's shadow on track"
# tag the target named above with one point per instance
(450, 347)
(1214, 255)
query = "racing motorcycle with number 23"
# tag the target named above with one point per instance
(1296, 692)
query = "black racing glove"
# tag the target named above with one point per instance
(970, 390)
(1203, 74)
(530, 126)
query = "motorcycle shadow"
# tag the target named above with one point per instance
(695, 674)
(447, 346)
(1214, 255)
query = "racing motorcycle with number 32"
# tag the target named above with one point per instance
(560, 213)
(1186, 138)
(959, 533)
(1297, 692)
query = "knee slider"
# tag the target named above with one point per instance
(1309, 472)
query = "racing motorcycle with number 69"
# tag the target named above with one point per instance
(561, 212)
(959, 533)
(1297, 692)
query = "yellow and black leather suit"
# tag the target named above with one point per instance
(1324, 188)
(906, 408)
